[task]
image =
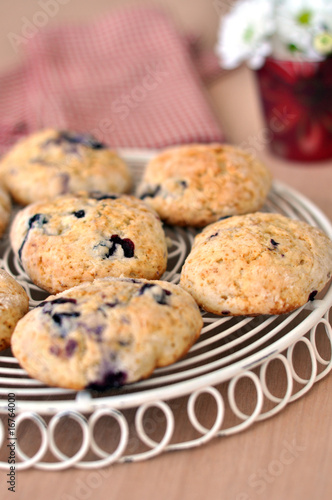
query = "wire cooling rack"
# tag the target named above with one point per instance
(144, 416)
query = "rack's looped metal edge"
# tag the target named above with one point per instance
(132, 435)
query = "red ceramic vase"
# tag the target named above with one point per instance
(297, 103)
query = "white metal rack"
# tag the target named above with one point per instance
(229, 349)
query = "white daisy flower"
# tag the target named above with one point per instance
(298, 22)
(244, 34)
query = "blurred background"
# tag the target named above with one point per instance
(199, 18)
(232, 97)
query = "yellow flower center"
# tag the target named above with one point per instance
(304, 17)
(248, 34)
(323, 43)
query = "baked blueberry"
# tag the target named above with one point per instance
(50, 163)
(117, 332)
(76, 238)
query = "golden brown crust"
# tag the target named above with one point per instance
(14, 303)
(72, 239)
(257, 264)
(5, 209)
(109, 332)
(198, 184)
(45, 165)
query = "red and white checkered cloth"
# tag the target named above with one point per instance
(129, 78)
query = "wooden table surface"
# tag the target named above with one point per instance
(243, 466)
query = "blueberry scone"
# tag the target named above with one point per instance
(106, 333)
(262, 263)
(75, 238)
(5, 209)
(198, 184)
(52, 162)
(14, 303)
